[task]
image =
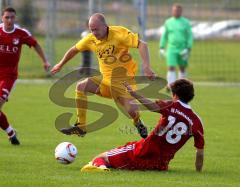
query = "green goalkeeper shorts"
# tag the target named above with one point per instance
(174, 59)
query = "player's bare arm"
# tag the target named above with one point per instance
(199, 159)
(143, 50)
(152, 106)
(40, 52)
(68, 56)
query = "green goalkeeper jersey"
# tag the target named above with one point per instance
(177, 34)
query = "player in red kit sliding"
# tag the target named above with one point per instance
(12, 38)
(177, 124)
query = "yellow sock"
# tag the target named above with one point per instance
(81, 103)
(136, 118)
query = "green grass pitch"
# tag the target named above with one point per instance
(33, 164)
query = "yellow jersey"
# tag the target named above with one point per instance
(113, 54)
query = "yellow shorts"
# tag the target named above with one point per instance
(114, 88)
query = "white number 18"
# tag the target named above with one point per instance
(175, 134)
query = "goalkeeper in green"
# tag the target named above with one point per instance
(177, 40)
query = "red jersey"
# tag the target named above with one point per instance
(10, 49)
(177, 124)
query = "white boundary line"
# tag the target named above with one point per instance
(48, 81)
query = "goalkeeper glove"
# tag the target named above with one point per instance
(162, 52)
(185, 54)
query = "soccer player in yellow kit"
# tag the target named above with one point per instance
(111, 45)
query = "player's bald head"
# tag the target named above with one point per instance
(98, 26)
(176, 5)
(97, 18)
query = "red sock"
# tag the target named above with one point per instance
(3, 121)
(5, 125)
(100, 162)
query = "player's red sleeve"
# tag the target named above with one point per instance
(164, 106)
(29, 40)
(198, 135)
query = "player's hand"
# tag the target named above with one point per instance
(46, 66)
(56, 68)
(149, 73)
(185, 54)
(162, 52)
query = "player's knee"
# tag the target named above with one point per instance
(171, 68)
(102, 155)
(82, 85)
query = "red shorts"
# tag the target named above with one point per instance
(6, 85)
(123, 158)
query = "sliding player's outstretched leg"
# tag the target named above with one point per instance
(98, 164)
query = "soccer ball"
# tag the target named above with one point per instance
(65, 153)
